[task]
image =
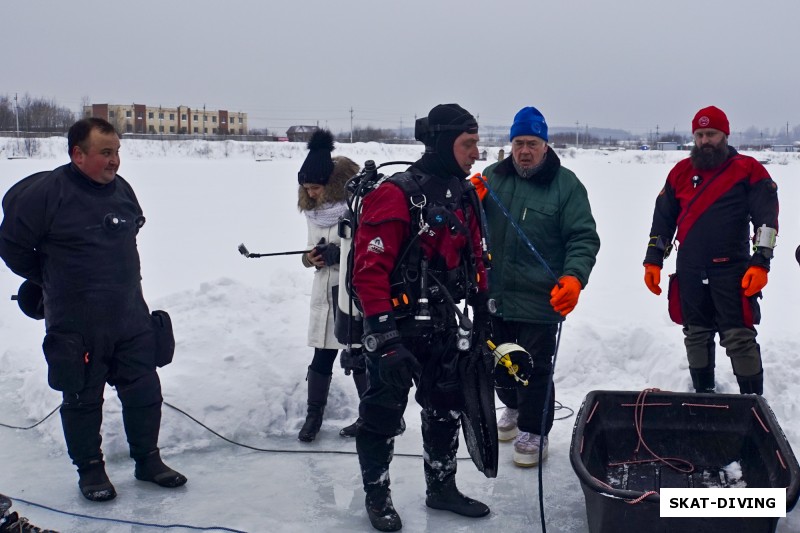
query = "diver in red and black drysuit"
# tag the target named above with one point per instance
(422, 224)
(708, 204)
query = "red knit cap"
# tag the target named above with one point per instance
(711, 117)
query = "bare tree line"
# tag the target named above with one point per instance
(40, 115)
(35, 115)
(368, 133)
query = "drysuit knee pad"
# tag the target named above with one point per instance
(142, 392)
(382, 420)
(67, 358)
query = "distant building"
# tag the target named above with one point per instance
(784, 148)
(666, 145)
(139, 118)
(300, 133)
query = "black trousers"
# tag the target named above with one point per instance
(540, 341)
(712, 301)
(382, 407)
(119, 343)
(439, 388)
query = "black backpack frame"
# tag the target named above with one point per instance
(407, 280)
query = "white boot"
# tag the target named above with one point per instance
(526, 449)
(507, 425)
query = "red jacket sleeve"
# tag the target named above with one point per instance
(383, 228)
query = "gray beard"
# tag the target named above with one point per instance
(526, 173)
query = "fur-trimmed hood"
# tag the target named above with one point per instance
(344, 169)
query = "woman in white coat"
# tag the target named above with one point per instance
(321, 198)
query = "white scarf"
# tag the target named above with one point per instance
(326, 215)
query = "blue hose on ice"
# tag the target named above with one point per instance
(131, 522)
(541, 260)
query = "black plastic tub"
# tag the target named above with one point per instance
(709, 431)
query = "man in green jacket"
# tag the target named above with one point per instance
(550, 205)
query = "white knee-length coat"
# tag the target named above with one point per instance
(321, 316)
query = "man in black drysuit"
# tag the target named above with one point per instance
(72, 232)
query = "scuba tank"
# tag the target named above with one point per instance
(349, 323)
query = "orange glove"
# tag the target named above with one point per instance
(754, 280)
(564, 296)
(480, 187)
(652, 278)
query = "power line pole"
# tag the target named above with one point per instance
(16, 114)
(351, 124)
(576, 133)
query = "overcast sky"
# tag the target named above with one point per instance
(630, 64)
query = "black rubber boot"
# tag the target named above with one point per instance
(142, 426)
(703, 380)
(94, 482)
(751, 384)
(81, 421)
(374, 455)
(318, 386)
(381, 512)
(14, 523)
(440, 442)
(152, 468)
(362, 383)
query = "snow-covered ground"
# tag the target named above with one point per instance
(239, 368)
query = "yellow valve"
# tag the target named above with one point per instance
(502, 357)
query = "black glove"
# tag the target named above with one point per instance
(30, 299)
(329, 252)
(482, 317)
(352, 359)
(397, 366)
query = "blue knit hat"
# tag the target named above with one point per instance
(529, 121)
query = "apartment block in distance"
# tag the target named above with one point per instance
(140, 118)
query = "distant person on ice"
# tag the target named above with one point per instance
(550, 205)
(71, 233)
(321, 198)
(419, 227)
(711, 199)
